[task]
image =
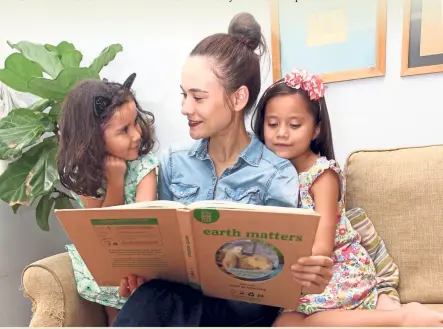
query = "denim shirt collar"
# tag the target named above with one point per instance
(251, 154)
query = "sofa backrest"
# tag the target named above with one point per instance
(401, 190)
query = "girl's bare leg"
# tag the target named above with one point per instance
(290, 319)
(385, 302)
(111, 314)
(409, 315)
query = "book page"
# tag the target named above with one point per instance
(246, 254)
(149, 204)
(118, 242)
(250, 207)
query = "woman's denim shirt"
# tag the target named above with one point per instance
(259, 176)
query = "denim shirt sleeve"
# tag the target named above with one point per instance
(283, 188)
(164, 176)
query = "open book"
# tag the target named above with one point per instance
(228, 250)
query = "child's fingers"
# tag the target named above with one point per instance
(129, 284)
(123, 289)
(309, 287)
(140, 281)
(132, 280)
(322, 261)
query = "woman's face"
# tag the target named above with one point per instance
(203, 100)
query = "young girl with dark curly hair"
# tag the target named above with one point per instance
(105, 159)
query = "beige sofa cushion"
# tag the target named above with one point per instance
(402, 192)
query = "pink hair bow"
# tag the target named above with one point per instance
(302, 79)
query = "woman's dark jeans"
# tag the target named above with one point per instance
(159, 303)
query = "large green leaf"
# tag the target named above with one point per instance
(48, 60)
(43, 210)
(58, 88)
(64, 47)
(18, 70)
(106, 56)
(40, 105)
(55, 110)
(69, 56)
(51, 48)
(36, 166)
(21, 128)
(72, 58)
(61, 48)
(44, 174)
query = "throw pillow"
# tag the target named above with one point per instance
(388, 275)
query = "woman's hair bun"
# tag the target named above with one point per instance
(247, 30)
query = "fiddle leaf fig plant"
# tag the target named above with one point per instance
(29, 136)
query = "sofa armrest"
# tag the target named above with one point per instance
(50, 285)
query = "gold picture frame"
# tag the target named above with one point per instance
(376, 63)
(422, 44)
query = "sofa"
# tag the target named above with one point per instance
(400, 190)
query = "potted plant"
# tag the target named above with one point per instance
(29, 136)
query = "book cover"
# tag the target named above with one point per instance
(228, 250)
(246, 254)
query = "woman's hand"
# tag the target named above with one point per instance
(129, 284)
(313, 273)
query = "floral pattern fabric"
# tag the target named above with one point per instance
(353, 285)
(86, 285)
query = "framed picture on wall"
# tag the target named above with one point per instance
(338, 39)
(422, 49)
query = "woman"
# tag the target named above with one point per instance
(220, 85)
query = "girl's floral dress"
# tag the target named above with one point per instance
(353, 285)
(86, 285)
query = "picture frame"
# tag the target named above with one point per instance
(359, 29)
(422, 44)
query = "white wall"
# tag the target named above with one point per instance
(157, 37)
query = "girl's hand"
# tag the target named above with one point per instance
(115, 168)
(313, 273)
(129, 284)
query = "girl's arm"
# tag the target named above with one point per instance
(326, 192)
(147, 188)
(114, 196)
(312, 272)
(115, 193)
(115, 169)
(146, 191)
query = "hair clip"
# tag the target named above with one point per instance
(302, 79)
(100, 105)
(129, 81)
